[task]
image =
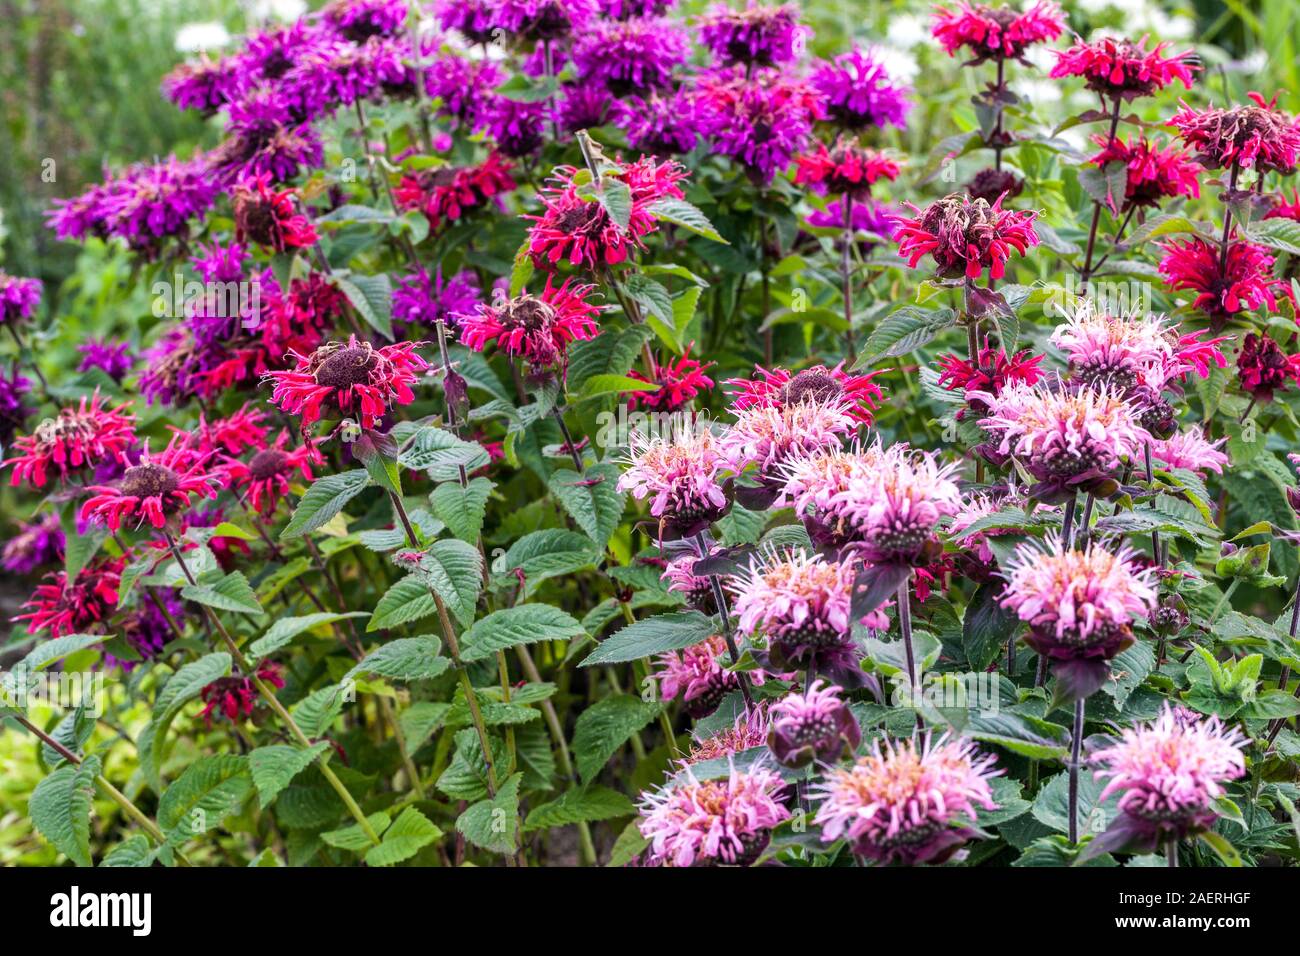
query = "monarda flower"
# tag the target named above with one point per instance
(812, 726)
(767, 436)
(819, 485)
(1079, 607)
(680, 381)
(872, 223)
(582, 106)
(1154, 174)
(18, 298)
(352, 378)
(1121, 68)
(475, 20)
(680, 474)
(780, 387)
(13, 411)
(205, 85)
(359, 20)
(756, 35)
(544, 19)
(1070, 440)
(266, 477)
(907, 802)
(146, 629)
(697, 676)
(965, 236)
(269, 217)
(660, 124)
(1258, 136)
(1001, 33)
(70, 607)
(265, 136)
(36, 544)
(516, 126)
(449, 193)
(1263, 368)
(243, 429)
(992, 184)
(1245, 283)
(895, 511)
(77, 438)
(114, 359)
(153, 490)
(1122, 351)
(847, 169)
(682, 579)
(536, 328)
(748, 732)
(991, 372)
(630, 56)
(1169, 774)
(713, 822)
(762, 122)
(423, 299)
(235, 696)
(1190, 450)
(859, 92)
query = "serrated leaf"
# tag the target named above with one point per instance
(274, 767)
(454, 570)
(60, 809)
(372, 297)
(651, 636)
(406, 601)
(316, 713)
(410, 833)
(354, 838)
(324, 499)
(589, 805)
(592, 499)
(515, 626)
(405, 659)
(279, 634)
(462, 509)
(209, 790)
(605, 726)
(230, 593)
(688, 216)
(493, 824)
(907, 329)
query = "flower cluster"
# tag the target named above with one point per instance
(965, 236)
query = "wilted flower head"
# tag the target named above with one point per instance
(813, 725)
(697, 676)
(713, 822)
(537, 328)
(153, 490)
(992, 184)
(269, 217)
(18, 298)
(1123, 68)
(1245, 283)
(679, 381)
(1263, 368)
(996, 32)
(965, 236)
(630, 56)
(769, 435)
(1169, 773)
(1154, 174)
(847, 168)
(1190, 450)
(859, 92)
(680, 473)
(779, 387)
(70, 607)
(352, 378)
(35, 544)
(1258, 136)
(758, 35)
(76, 438)
(908, 802)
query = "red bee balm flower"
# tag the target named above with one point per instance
(1245, 283)
(267, 474)
(154, 490)
(679, 382)
(235, 695)
(847, 168)
(965, 236)
(354, 378)
(990, 372)
(1263, 368)
(75, 438)
(445, 195)
(819, 384)
(539, 328)
(70, 607)
(1243, 136)
(1001, 32)
(268, 217)
(1153, 174)
(1124, 68)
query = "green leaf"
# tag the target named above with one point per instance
(598, 385)
(405, 659)
(684, 214)
(1021, 734)
(616, 196)
(407, 600)
(316, 713)
(230, 593)
(493, 824)
(652, 297)
(284, 630)
(1052, 805)
(546, 554)
(651, 636)
(907, 329)
(441, 455)
(210, 789)
(181, 687)
(410, 833)
(462, 509)
(454, 570)
(589, 804)
(60, 809)
(353, 838)
(511, 627)
(79, 548)
(420, 720)
(372, 297)
(987, 626)
(324, 499)
(593, 499)
(274, 767)
(1225, 851)
(133, 851)
(605, 726)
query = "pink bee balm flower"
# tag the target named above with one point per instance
(154, 490)
(908, 802)
(767, 435)
(713, 822)
(680, 474)
(996, 32)
(76, 438)
(965, 236)
(1245, 283)
(1190, 450)
(821, 485)
(1120, 351)
(815, 725)
(1263, 368)
(698, 677)
(537, 328)
(817, 384)
(1169, 773)
(269, 217)
(749, 731)
(991, 371)
(1154, 174)
(683, 580)
(351, 378)
(1258, 136)
(1123, 68)
(70, 607)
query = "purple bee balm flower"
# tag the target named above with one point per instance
(476, 20)
(19, 298)
(360, 20)
(583, 106)
(627, 9)
(12, 410)
(175, 367)
(757, 35)
(462, 87)
(816, 725)
(425, 299)
(544, 19)
(630, 56)
(147, 629)
(265, 134)
(662, 124)
(872, 218)
(859, 92)
(114, 359)
(515, 125)
(762, 121)
(36, 544)
(206, 85)
(269, 55)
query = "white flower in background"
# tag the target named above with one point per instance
(1040, 57)
(194, 37)
(900, 64)
(1037, 91)
(908, 30)
(284, 10)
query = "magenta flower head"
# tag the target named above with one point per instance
(754, 36)
(18, 298)
(476, 20)
(815, 725)
(696, 674)
(1245, 282)
(822, 486)
(681, 579)
(423, 299)
(768, 436)
(681, 474)
(1120, 351)
(1079, 606)
(713, 822)
(908, 802)
(1190, 450)
(1070, 440)
(351, 379)
(1263, 368)
(845, 169)
(762, 122)
(859, 92)
(630, 56)
(114, 359)
(154, 490)
(1153, 174)
(748, 731)
(1001, 33)
(80, 437)
(1257, 136)
(661, 124)
(536, 328)
(1123, 68)
(1169, 773)
(779, 387)
(35, 544)
(544, 19)
(965, 236)
(679, 381)
(895, 511)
